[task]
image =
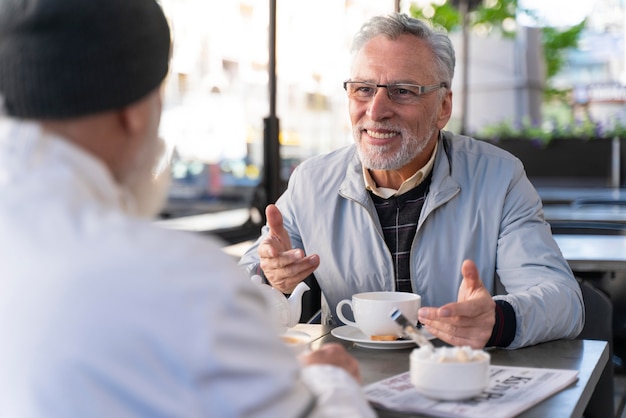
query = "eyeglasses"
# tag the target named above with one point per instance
(399, 93)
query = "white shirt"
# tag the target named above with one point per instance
(408, 184)
(104, 315)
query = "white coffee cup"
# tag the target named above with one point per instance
(372, 311)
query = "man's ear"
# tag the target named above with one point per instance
(445, 110)
(133, 118)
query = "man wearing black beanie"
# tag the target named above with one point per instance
(103, 314)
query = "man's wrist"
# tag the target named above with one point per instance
(506, 324)
(254, 268)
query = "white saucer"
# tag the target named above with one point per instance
(348, 333)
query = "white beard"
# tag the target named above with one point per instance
(147, 184)
(380, 158)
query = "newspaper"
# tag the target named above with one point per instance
(511, 391)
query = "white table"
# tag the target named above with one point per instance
(207, 222)
(588, 357)
(593, 252)
(583, 252)
(585, 213)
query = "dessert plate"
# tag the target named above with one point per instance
(348, 333)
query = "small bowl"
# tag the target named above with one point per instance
(449, 373)
(299, 342)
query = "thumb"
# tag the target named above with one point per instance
(470, 274)
(274, 219)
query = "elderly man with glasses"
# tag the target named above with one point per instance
(410, 207)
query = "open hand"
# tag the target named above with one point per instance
(469, 320)
(283, 266)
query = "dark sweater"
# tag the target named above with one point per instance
(398, 216)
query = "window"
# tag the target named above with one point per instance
(216, 95)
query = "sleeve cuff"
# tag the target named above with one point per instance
(338, 394)
(254, 268)
(506, 324)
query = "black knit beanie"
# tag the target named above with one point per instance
(69, 58)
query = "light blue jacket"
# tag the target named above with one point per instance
(480, 206)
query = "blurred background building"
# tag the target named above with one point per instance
(217, 91)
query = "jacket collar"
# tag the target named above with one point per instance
(443, 187)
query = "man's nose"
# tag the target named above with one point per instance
(380, 106)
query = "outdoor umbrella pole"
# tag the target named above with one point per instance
(271, 146)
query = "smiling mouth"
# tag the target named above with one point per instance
(381, 135)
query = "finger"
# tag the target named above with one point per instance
(274, 219)
(450, 313)
(268, 248)
(460, 331)
(287, 278)
(335, 354)
(425, 314)
(286, 284)
(271, 250)
(456, 310)
(459, 312)
(289, 259)
(473, 337)
(471, 277)
(274, 244)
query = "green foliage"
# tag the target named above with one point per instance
(494, 16)
(446, 16)
(544, 133)
(555, 41)
(449, 17)
(510, 130)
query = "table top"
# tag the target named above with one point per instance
(586, 356)
(208, 221)
(560, 204)
(551, 195)
(593, 252)
(583, 252)
(585, 213)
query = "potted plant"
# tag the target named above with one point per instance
(586, 152)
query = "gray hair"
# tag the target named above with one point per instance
(396, 24)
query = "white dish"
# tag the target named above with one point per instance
(449, 373)
(348, 333)
(297, 334)
(299, 342)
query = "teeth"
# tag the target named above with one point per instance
(380, 135)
